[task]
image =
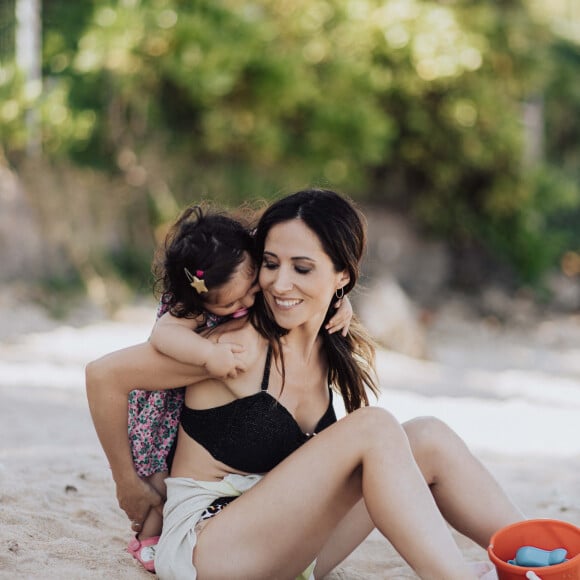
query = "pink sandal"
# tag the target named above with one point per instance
(144, 552)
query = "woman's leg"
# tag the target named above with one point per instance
(348, 535)
(465, 492)
(468, 496)
(278, 527)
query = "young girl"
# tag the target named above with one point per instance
(207, 274)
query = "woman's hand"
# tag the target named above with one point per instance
(137, 498)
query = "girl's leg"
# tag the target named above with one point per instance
(278, 527)
(465, 492)
(154, 520)
(142, 546)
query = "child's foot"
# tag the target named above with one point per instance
(144, 551)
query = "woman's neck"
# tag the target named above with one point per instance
(303, 342)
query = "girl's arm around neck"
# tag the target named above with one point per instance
(177, 338)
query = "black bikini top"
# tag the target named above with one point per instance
(251, 434)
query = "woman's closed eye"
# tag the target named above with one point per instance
(297, 268)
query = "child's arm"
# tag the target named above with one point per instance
(341, 320)
(176, 338)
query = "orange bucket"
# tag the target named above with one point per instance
(545, 534)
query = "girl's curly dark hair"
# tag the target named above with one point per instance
(214, 243)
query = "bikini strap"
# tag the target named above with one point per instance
(266, 376)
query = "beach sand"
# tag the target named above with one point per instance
(512, 395)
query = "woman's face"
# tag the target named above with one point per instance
(297, 277)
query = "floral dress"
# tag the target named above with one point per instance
(154, 418)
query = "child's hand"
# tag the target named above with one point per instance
(341, 320)
(223, 360)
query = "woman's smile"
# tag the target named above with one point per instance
(286, 303)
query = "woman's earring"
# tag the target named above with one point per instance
(339, 293)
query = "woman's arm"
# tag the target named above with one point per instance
(108, 383)
(111, 378)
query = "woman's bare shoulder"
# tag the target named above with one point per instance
(240, 332)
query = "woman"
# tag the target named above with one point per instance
(301, 503)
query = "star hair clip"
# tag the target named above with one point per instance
(196, 282)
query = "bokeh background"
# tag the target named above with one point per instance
(454, 123)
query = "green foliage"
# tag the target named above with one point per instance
(60, 294)
(460, 163)
(130, 263)
(414, 103)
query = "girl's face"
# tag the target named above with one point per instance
(297, 277)
(237, 295)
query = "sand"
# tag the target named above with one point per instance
(513, 394)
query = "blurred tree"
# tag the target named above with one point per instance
(28, 60)
(459, 163)
(414, 103)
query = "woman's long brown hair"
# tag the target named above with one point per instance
(341, 230)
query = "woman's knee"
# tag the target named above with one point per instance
(430, 438)
(428, 431)
(374, 424)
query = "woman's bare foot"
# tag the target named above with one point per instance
(484, 570)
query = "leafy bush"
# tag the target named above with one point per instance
(414, 103)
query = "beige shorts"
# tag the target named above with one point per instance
(187, 500)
